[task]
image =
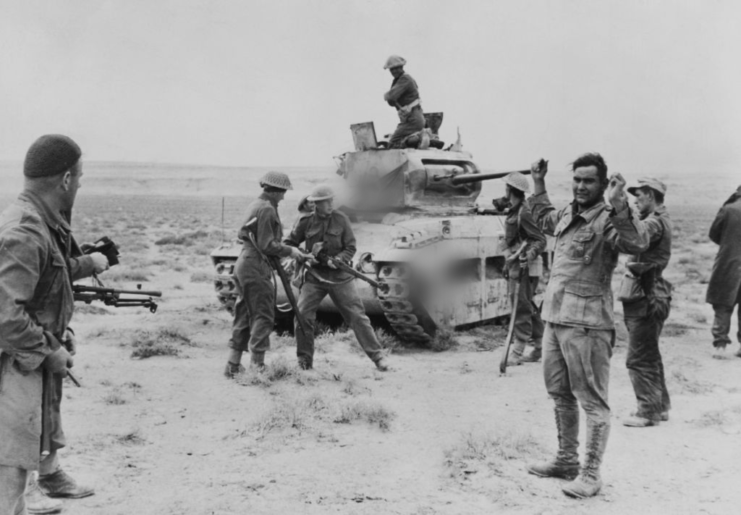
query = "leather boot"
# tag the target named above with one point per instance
(36, 502)
(257, 361)
(61, 484)
(533, 357)
(589, 482)
(566, 463)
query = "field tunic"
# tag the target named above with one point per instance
(36, 305)
(725, 280)
(337, 235)
(519, 226)
(587, 246)
(403, 91)
(266, 229)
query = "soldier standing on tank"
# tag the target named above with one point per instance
(521, 228)
(646, 298)
(724, 288)
(254, 312)
(328, 231)
(404, 96)
(578, 311)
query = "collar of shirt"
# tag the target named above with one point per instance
(53, 219)
(589, 214)
(660, 210)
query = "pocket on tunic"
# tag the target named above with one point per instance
(333, 237)
(582, 304)
(580, 243)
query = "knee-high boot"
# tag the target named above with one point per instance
(589, 482)
(566, 463)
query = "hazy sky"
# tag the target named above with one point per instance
(653, 85)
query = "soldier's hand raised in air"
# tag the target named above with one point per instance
(615, 192)
(538, 170)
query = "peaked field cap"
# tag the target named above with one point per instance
(648, 182)
(51, 155)
(276, 180)
(518, 181)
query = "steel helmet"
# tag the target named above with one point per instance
(518, 182)
(320, 193)
(276, 180)
(394, 61)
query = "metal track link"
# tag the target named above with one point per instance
(397, 304)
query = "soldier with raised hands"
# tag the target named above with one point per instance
(578, 311)
(328, 232)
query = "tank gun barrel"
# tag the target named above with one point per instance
(466, 178)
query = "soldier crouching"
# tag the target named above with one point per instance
(330, 231)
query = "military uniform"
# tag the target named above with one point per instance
(520, 227)
(579, 334)
(335, 232)
(404, 94)
(724, 287)
(645, 317)
(254, 311)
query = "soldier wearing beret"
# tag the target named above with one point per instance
(646, 298)
(329, 231)
(38, 261)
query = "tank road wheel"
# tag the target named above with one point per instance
(408, 318)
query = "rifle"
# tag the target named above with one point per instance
(513, 315)
(274, 263)
(320, 254)
(113, 297)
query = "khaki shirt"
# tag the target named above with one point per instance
(336, 233)
(266, 229)
(586, 252)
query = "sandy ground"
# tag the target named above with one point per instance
(443, 433)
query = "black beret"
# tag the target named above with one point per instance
(50, 155)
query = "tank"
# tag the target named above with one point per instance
(420, 234)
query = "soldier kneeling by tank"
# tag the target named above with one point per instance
(330, 231)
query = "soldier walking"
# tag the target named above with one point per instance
(404, 96)
(328, 231)
(578, 311)
(254, 311)
(521, 228)
(646, 298)
(724, 288)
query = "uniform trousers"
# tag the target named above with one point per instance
(346, 299)
(254, 311)
(528, 324)
(576, 368)
(644, 363)
(411, 123)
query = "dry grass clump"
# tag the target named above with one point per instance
(712, 419)
(131, 438)
(277, 371)
(688, 384)
(477, 452)
(114, 398)
(443, 340)
(165, 341)
(293, 413)
(371, 412)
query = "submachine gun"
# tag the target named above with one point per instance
(111, 296)
(320, 254)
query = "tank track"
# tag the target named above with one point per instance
(408, 319)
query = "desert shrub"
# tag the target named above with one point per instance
(443, 340)
(165, 341)
(294, 413)
(114, 398)
(131, 438)
(490, 450)
(371, 412)
(387, 339)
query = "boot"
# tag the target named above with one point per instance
(566, 463)
(533, 357)
(61, 484)
(232, 369)
(257, 361)
(382, 364)
(514, 359)
(37, 502)
(589, 482)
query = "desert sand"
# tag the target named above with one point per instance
(443, 433)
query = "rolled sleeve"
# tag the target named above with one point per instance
(22, 253)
